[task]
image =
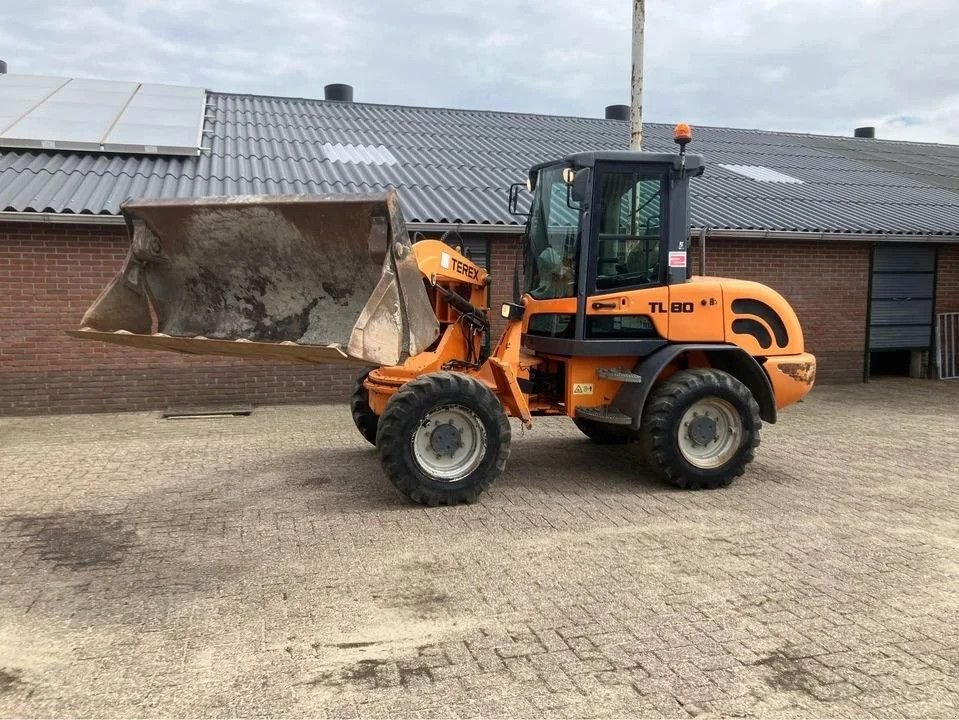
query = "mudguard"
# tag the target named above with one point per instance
(631, 398)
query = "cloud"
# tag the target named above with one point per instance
(800, 65)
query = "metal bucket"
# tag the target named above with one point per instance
(311, 278)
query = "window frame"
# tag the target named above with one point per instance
(577, 257)
(652, 172)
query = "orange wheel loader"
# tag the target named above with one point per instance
(610, 330)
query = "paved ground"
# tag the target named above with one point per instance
(264, 566)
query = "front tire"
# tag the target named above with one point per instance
(443, 439)
(364, 418)
(700, 429)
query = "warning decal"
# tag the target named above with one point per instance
(582, 389)
(677, 259)
(445, 261)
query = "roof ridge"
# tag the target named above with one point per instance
(665, 125)
(436, 108)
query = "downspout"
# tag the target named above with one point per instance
(703, 234)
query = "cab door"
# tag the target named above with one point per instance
(627, 295)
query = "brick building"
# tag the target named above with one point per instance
(838, 225)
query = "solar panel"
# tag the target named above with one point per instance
(100, 115)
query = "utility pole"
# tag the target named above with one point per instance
(636, 109)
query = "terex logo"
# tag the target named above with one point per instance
(470, 271)
(448, 262)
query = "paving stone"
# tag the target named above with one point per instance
(263, 566)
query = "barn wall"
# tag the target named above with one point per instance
(947, 279)
(49, 275)
(827, 284)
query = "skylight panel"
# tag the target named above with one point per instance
(361, 154)
(761, 173)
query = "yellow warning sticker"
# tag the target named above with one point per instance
(582, 389)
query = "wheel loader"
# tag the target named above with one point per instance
(610, 330)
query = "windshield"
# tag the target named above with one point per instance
(553, 244)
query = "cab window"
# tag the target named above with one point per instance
(630, 233)
(553, 245)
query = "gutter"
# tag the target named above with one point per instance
(478, 228)
(466, 228)
(822, 236)
(61, 218)
(88, 219)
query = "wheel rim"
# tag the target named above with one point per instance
(710, 433)
(449, 443)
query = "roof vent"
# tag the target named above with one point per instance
(617, 112)
(338, 92)
(864, 132)
(3, 67)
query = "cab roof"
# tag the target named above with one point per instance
(694, 163)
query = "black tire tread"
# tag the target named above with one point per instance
(657, 430)
(364, 418)
(390, 438)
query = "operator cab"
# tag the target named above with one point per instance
(603, 223)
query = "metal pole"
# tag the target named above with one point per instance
(636, 111)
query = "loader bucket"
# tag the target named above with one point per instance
(310, 278)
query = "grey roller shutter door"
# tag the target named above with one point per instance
(900, 302)
(478, 251)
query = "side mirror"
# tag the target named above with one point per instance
(513, 201)
(577, 183)
(580, 186)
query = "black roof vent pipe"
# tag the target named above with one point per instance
(617, 112)
(338, 92)
(3, 67)
(864, 132)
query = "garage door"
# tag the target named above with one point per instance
(900, 304)
(477, 250)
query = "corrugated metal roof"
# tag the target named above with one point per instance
(454, 166)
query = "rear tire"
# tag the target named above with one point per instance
(364, 418)
(604, 433)
(443, 439)
(700, 429)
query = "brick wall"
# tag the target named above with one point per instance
(825, 282)
(947, 279)
(505, 252)
(49, 275)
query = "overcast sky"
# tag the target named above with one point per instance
(823, 66)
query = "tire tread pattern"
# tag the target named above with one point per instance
(663, 412)
(410, 401)
(364, 418)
